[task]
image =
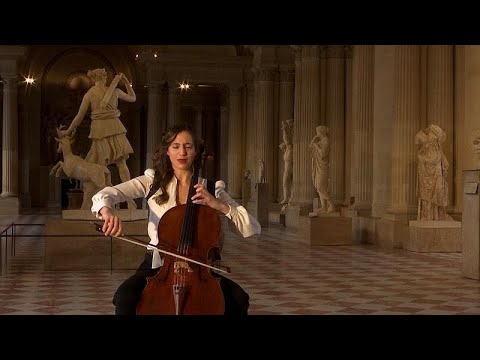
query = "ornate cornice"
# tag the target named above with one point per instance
(263, 74)
(287, 75)
(335, 51)
(312, 51)
(348, 49)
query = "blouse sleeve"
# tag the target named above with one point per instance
(128, 190)
(246, 224)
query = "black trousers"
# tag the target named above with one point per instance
(129, 292)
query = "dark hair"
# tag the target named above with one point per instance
(161, 161)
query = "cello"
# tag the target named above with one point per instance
(183, 287)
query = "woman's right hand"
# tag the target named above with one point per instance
(112, 224)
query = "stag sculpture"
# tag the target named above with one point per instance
(93, 176)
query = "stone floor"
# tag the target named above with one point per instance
(282, 276)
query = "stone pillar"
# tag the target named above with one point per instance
(471, 126)
(286, 94)
(9, 201)
(335, 120)
(297, 113)
(307, 117)
(348, 123)
(459, 121)
(383, 128)
(235, 143)
(10, 137)
(223, 145)
(323, 120)
(172, 115)
(251, 129)
(198, 121)
(210, 133)
(154, 120)
(362, 121)
(264, 117)
(440, 101)
(406, 123)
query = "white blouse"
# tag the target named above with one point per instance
(138, 187)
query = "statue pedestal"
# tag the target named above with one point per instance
(246, 190)
(471, 224)
(325, 229)
(76, 245)
(261, 203)
(75, 199)
(9, 206)
(434, 236)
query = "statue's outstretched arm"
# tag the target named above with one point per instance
(79, 117)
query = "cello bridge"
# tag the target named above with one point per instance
(179, 265)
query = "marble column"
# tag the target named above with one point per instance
(362, 123)
(198, 121)
(264, 115)
(286, 94)
(10, 137)
(307, 117)
(335, 120)
(348, 122)
(459, 121)
(154, 120)
(251, 129)
(323, 120)
(297, 113)
(211, 136)
(223, 145)
(440, 101)
(235, 143)
(173, 108)
(383, 128)
(406, 124)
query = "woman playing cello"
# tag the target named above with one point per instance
(179, 153)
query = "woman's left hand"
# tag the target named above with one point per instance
(203, 197)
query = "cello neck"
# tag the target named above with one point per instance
(189, 217)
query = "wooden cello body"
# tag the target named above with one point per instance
(181, 287)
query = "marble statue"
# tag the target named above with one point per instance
(93, 176)
(475, 138)
(320, 146)
(287, 147)
(432, 166)
(261, 171)
(109, 142)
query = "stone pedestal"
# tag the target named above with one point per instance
(75, 199)
(76, 245)
(390, 231)
(9, 206)
(471, 224)
(434, 236)
(246, 190)
(326, 229)
(261, 203)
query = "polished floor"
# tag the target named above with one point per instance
(282, 276)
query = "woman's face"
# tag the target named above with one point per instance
(182, 151)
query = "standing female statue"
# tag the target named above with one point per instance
(320, 146)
